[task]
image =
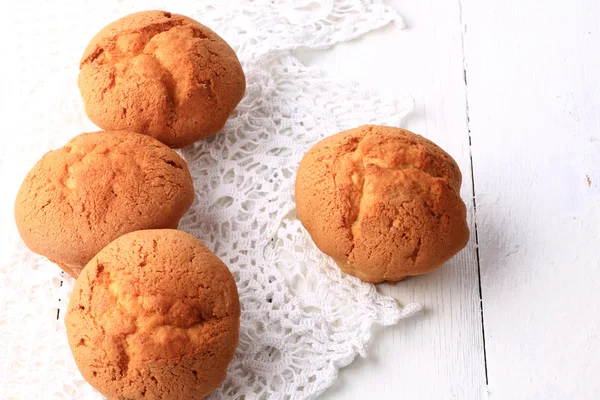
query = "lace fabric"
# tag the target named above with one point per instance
(302, 318)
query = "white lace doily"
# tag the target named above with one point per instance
(302, 318)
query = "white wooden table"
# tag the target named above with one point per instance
(512, 90)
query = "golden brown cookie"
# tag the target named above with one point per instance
(100, 185)
(161, 74)
(383, 202)
(154, 315)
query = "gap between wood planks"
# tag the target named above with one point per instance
(62, 274)
(463, 31)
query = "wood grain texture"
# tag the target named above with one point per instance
(533, 75)
(439, 354)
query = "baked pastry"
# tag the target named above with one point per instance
(154, 315)
(383, 202)
(97, 187)
(161, 74)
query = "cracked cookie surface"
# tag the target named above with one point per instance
(383, 202)
(161, 74)
(154, 315)
(97, 187)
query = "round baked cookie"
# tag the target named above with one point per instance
(154, 315)
(161, 74)
(97, 187)
(383, 202)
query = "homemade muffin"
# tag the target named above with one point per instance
(383, 202)
(161, 74)
(154, 315)
(100, 185)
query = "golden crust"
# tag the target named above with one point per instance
(154, 315)
(383, 202)
(97, 187)
(161, 74)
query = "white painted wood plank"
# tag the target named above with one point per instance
(439, 354)
(534, 99)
